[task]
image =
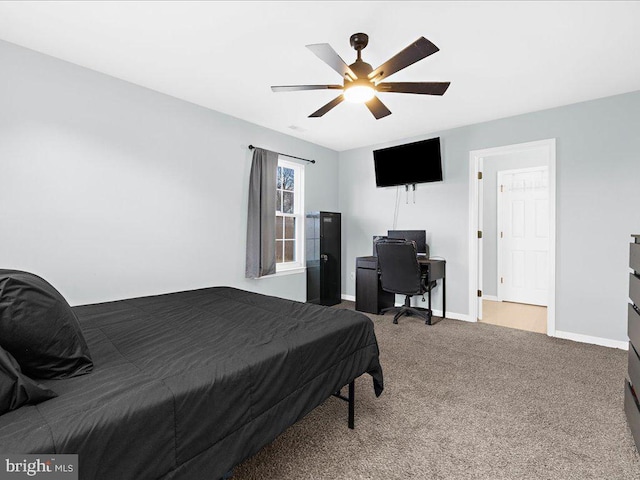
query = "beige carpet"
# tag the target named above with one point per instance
(467, 401)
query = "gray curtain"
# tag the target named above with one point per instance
(261, 221)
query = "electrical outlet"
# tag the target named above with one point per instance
(352, 275)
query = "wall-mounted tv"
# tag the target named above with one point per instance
(417, 162)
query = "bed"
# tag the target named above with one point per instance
(186, 385)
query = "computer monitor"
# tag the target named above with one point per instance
(418, 236)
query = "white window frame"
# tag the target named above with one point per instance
(298, 213)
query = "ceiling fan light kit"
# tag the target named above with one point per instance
(361, 82)
(359, 93)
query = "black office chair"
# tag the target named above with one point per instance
(400, 273)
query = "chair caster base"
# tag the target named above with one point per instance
(423, 313)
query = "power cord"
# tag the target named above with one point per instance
(397, 207)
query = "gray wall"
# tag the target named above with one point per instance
(110, 190)
(598, 168)
(491, 165)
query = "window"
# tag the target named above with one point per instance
(289, 216)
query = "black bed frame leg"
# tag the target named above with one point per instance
(352, 398)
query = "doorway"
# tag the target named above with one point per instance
(512, 253)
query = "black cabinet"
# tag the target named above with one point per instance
(323, 233)
(370, 297)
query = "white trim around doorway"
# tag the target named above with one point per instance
(475, 283)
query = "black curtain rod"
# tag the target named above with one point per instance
(251, 147)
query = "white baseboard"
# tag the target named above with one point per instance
(604, 342)
(455, 316)
(576, 337)
(493, 298)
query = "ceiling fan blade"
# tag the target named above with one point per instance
(378, 108)
(418, 50)
(320, 112)
(424, 88)
(295, 88)
(328, 55)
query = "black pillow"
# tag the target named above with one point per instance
(16, 389)
(38, 327)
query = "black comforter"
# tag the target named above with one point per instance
(186, 385)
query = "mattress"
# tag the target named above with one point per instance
(186, 385)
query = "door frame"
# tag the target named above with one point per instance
(476, 158)
(500, 220)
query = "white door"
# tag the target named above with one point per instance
(523, 235)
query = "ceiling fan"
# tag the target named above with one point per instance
(361, 82)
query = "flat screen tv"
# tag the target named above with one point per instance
(417, 162)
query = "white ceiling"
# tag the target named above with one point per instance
(502, 58)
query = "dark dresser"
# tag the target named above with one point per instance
(632, 383)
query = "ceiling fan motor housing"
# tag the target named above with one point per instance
(361, 69)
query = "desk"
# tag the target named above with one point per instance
(371, 298)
